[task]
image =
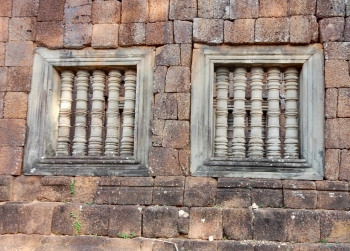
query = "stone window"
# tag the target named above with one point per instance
(264, 112)
(89, 112)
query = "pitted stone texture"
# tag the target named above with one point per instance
(77, 14)
(6, 185)
(5, 8)
(200, 192)
(158, 10)
(299, 185)
(25, 8)
(332, 163)
(9, 220)
(347, 30)
(234, 245)
(165, 106)
(240, 31)
(213, 8)
(302, 7)
(2, 53)
(237, 224)
(170, 196)
(19, 53)
(51, 10)
(159, 33)
(134, 11)
(183, 10)
(94, 220)
(184, 159)
(337, 50)
(303, 199)
(331, 103)
(344, 102)
(73, 3)
(12, 132)
(267, 197)
(77, 35)
(168, 55)
(2, 94)
(303, 29)
(270, 224)
(333, 200)
(344, 170)
(62, 219)
(184, 104)
(132, 34)
(183, 32)
(325, 185)
(26, 188)
(85, 189)
(172, 181)
(50, 34)
(3, 83)
(333, 8)
(331, 29)
(335, 226)
(337, 73)
(164, 161)
(105, 36)
(205, 222)
(186, 54)
(276, 8)
(272, 30)
(124, 220)
(15, 105)
(208, 30)
(106, 12)
(178, 79)
(244, 9)
(159, 79)
(4, 24)
(176, 134)
(337, 133)
(234, 197)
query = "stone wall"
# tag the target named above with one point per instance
(170, 209)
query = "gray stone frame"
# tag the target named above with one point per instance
(311, 111)
(43, 112)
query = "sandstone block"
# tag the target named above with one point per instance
(303, 199)
(333, 200)
(134, 11)
(273, 246)
(265, 183)
(73, 3)
(169, 181)
(94, 220)
(337, 50)
(158, 10)
(303, 29)
(77, 14)
(337, 133)
(233, 183)
(6, 184)
(347, 29)
(267, 197)
(184, 159)
(208, 30)
(326, 8)
(109, 181)
(63, 218)
(137, 181)
(272, 30)
(9, 220)
(325, 185)
(4, 24)
(170, 196)
(160, 222)
(12, 132)
(19, 79)
(157, 127)
(337, 74)
(25, 8)
(302, 7)
(183, 222)
(157, 140)
(105, 36)
(51, 10)
(3, 80)
(234, 245)
(2, 94)
(15, 105)
(5, 8)
(205, 222)
(55, 189)
(106, 195)
(270, 224)
(344, 168)
(85, 189)
(77, 35)
(106, 12)
(331, 29)
(277, 8)
(184, 105)
(135, 195)
(176, 134)
(19, 53)
(50, 34)
(159, 33)
(164, 161)
(213, 8)
(331, 103)
(237, 224)
(343, 102)
(234, 197)
(186, 55)
(303, 226)
(347, 8)
(2, 53)
(332, 163)
(182, 10)
(168, 54)
(198, 245)
(73, 242)
(244, 9)
(11, 160)
(299, 185)
(183, 32)
(159, 79)
(335, 226)
(200, 192)
(123, 244)
(26, 188)
(132, 34)
(178, 79)
(240, 31)
(124, 220)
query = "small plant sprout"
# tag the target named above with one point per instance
(126, 235)
(324, 241)
(72, 187)
(76, 223)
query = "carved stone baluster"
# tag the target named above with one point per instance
(229, 134)
(222, 83)
(112, 137)
(79, 141)
(239, 85)
(256, 143)
(98, 87)
(291, 142)
(127, 142)
(273, 142)
(67, 81)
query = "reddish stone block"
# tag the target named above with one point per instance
(213, 9)
(183, 10)
(159, 79)
(205, 222)
(3, 80)
(302, 7)
(164, 161)
(272, 30)
(237, 224)
(77, 14)
(333, 200)
(331, 29)
(50, 34)
(51, 10)
(106, 195)
(123, 244)
(168, 55)
(184, 159)
(15, 104)
(332, 185)
(303, 226)
(337, 50)
(234, 245)
(184, 105)
(331, 103)
(19, 79)
(25, 8)
(158, 10)
(170, 196)
(240, 31)
(132, 34)
(231, 198)
(134, 11)
(106, 12)
(160, 222)
(105, 36)
(169, 181)
(85, 189)
(176, 134)
(208, 30)
(337, 133)
(335, 226)
(337, 73)
(326, 8)
(304, 199)
(157, 128)
(137, 181)
(55, 188)
(6, 184)
(233, 183)
(183, 222)
(347, 29)
(332, 163)
(303, 29)
(94, 220)
(244, 9)
(165, 106)
(277, 8)
(183, 32)
(12, 132)
(9, 220)
(2, 54)
(178, 79)
(63, 219)
(135, 195)
(270, 224)
(299, 184)
(344, 102)
(19, 53)
(2, 94)
(73, 242)
(200, 192)
(265, 183)
(73, 3)
(77, 35)
(124, 220)
(344, 168)
(5, 8)
(4, 24)
(109, 181)
(267, 197)
(11, 160)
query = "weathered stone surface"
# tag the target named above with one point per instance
(106, 195)
(233, 183)
(337, 50)
(186, 55)
(244, 9)
(184, 105)
(272, 247)
(337, 133)
(159, 33)
(124, 220)
(270, 224)
(2, 53)
(6, 184)
(302, 7)
(267, 197)
(123, 244)
(109, 181)
(158, 10)
(337, 73)
(325, 185)
(200, 192)
(19, 53)
(137, 181)
(22, 28)
(105, 36)
(132, 34)
(77, 14)
(331, 29)
(168, 55)
(184, 159)
(55, 189)
(303, 29)
(299, 184)
(106, 12)
(347, 29)
(73, 3)
(183, 32)
(164, 161)
(94, 220)
(239, 31)
(331, 103)
(335, 226)
(15, 105)
(277, 8)
(4, 24)
(182, 10)
(5, 8)
(183, 221)
(160, 222)
(213, 8)
(209, 31)
(87, 243)
(170, 196)
(159, 79)
(232, 198)
(77, 35)
(134, 11)
(234, 245)
(9, 220)
(326, 8)
(263, 183)
(332, 163)
(157, 130)
(304, 199)
(272, 30)
(205, 222)
(303, 226)
(169, 181)
(12, 132)
(63, 219)
(165, 106)
(344, 168)
(19, 79)
(333, 200)
(25, 8)
(135, 195)
(178, 79)
(85, 189)
(2, 94)
(347, 8)
(11, 160)
(197, 245)
(344, 102)
(51, 10)
(176, 134)
(3, 79)
(50, 34)
(237, 224)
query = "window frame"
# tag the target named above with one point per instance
(311, 111)
(43, 109)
